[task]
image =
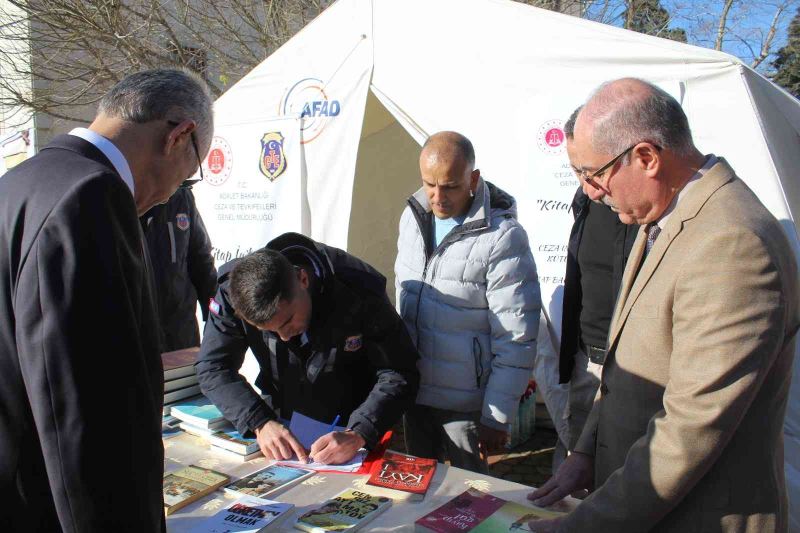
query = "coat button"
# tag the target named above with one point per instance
(604, 389)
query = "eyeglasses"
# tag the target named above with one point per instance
(190, 182)
(590, 178)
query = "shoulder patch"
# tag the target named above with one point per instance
(214, 306)
(354, 343)
(182, 221)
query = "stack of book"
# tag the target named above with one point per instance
(180, 380)
(201, 418)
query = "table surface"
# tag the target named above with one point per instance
(448, 482)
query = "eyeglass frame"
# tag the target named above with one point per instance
(189, 182)
(590, 178)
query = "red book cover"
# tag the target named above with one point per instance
(404, 473)
(462, 513)
(179, 358)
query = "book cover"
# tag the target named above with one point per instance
(200, 413)
(347, 511)
(189, 484)
(179, 363)
(401, 476)
(234, 441)
(248, 514)
(477, 511)
(270, 481)
(513, 516)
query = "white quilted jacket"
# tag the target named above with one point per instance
(471, 305)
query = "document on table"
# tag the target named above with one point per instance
(307, 430)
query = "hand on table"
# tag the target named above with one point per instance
(491, 440)
(575, 473)
(336, 447)
(277, 442)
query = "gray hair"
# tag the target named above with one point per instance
(623, 119)
(160, 94)
(569, 125)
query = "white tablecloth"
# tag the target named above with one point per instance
(448, 482)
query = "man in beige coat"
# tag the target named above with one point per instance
(686, 433)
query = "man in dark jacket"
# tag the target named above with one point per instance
(183, 267)
(327, 339)
(599, 245)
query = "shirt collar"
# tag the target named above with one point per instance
(711, 160)
(110, 151)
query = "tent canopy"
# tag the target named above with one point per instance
(323, 136)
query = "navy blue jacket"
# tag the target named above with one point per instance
(361, 366)
(183, 267)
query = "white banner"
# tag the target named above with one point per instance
(254, 185)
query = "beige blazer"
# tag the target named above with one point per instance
(687, 427)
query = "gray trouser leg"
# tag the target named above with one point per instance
(441, 434)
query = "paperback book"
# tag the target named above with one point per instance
(270, 481)
(350, 510)
(201, 413)
(234, 441)
(179, 363)
(248, 514)
(479, 512)
(180, 383)
(401, 477)
(189, 484)
(180, 394)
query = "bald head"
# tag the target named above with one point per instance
(627, 111)
(449, 147)
(449, 177)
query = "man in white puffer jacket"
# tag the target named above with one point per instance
(468, 292)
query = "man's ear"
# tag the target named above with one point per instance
(647, 157)
(473, 180)
(179, 137)
(302, 278)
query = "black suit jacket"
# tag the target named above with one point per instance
(81, 382)
(624, 236)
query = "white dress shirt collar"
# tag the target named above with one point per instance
(711, 160)
(110, 151)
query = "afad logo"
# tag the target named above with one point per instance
(273, 159)
(218, 165)
(550, 138)
(308, 99)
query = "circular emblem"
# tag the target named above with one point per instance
(308, 100)
(550, 138)
(219, 163)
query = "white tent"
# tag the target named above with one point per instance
(323, 136)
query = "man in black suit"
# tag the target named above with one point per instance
(81, 382)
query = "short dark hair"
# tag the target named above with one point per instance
(569, 125)
(259, 283)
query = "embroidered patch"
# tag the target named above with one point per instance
(353, 344)
(182, 220)
(213, 306)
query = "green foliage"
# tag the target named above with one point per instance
(649, 17)
(787, 62)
